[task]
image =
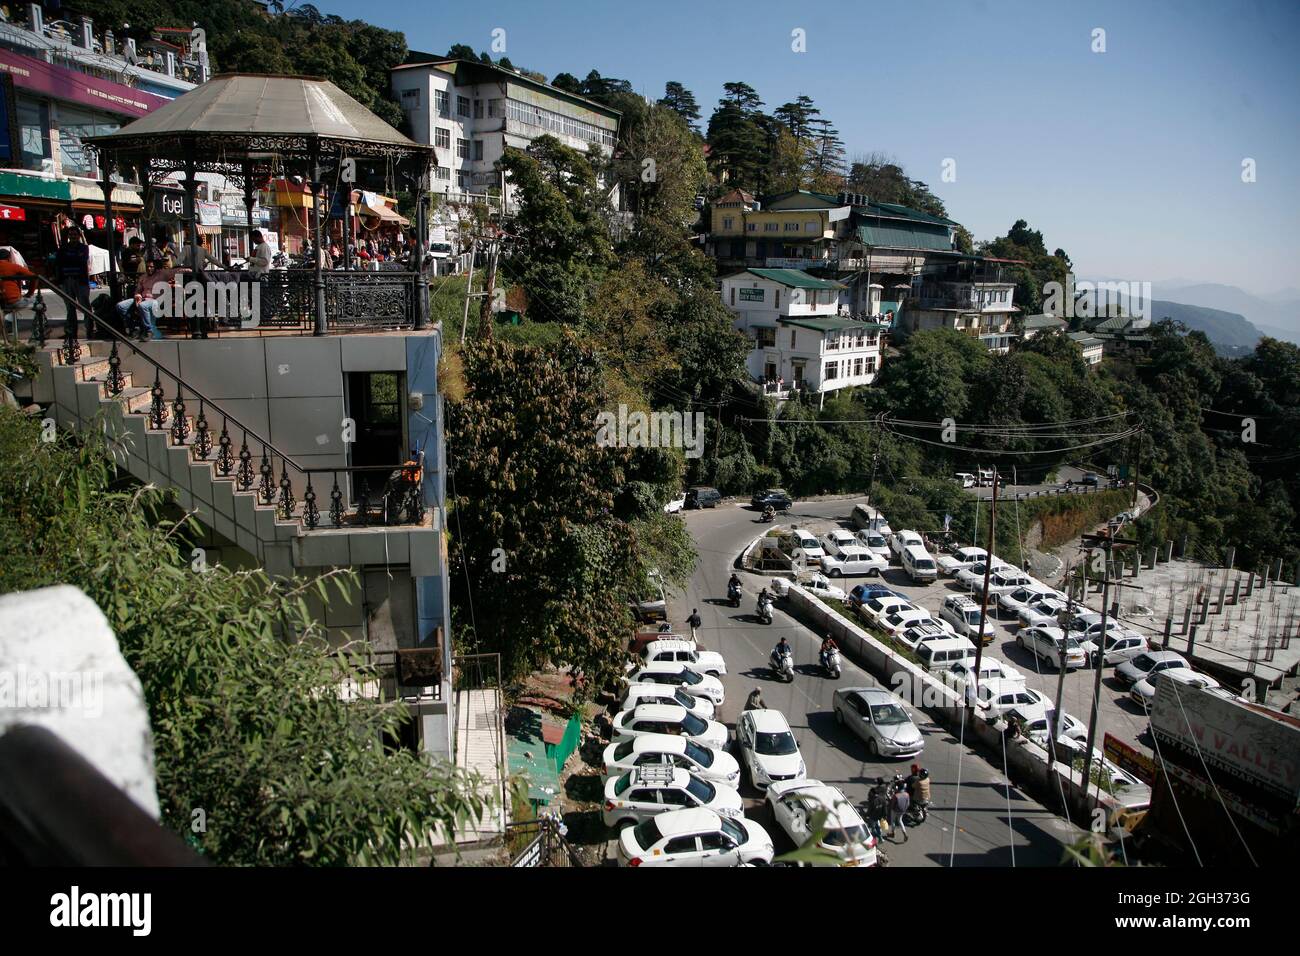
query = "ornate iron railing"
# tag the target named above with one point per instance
(398, 501)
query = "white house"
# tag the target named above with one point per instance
(801, 339)
(1092, 347)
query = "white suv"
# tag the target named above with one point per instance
(964, 616)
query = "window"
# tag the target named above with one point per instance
(793, 333)
(832, 371)
(411, 99)
(462, 149)
(34, 131)
(777, 299)
(791, 227)
(553, 122)
(440, 103)
(496, 108)
(728, 223)
(765, 338)
(74, 126)
(857, 367)
(832, 341)
(442, 137)
(771, 226)
(478, 148)
(811, 227)
(871, 366)
(462, 106)
(684, 844)
(463, 179)
(751, 227)
(478, 109)
(443, 173)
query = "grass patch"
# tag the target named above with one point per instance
(844, 611)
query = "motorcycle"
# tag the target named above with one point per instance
(783, 665)
(768, 516)
(765, 612)
(831, 663)
(733, 594)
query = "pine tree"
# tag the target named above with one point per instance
(682, 102)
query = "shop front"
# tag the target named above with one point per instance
(33, 208)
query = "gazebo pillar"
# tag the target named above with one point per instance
(247, 173)
(420, 286)
(198, 323)
(106, 165)
(317, 190)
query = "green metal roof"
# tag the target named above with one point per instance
(906, 212)
(794, 278)
(1084, 339)
(1044, 321)
(832, 324)
(903, 236)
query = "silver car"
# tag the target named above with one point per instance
(879, 718)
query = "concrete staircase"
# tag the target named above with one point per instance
(275, 530)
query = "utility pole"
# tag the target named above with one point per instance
(469, 289)
(485, 307)
(875, 453)
(1106, 541)
(1054, 724)
(984, 598)
(1137, 463)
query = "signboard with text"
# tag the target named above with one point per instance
(72, 86)
(751, 295)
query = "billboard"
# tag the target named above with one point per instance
(62, 83)
(1254, 745)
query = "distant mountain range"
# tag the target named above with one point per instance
(1231, 318)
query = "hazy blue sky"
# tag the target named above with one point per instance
(1130, 160)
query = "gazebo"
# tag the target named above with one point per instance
(252, 128)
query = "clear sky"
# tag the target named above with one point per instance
(1129, 159)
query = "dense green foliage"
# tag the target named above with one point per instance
(248, 726)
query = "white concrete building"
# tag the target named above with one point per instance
(801, 338)
(470, 112)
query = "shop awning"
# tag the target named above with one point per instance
(383, 212)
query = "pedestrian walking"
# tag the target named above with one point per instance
(898, 807)
(694, 622)
(72, 262)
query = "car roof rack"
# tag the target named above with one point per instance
(662, 774)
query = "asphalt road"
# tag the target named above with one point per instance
(978, 818)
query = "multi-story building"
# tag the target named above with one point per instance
(802, 337)
(967, 293)
(63, 83)
(1091, 346)
(471, 111)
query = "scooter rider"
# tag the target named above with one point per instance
(828, 645)
(733, 584)
(918, 784)
(782, 648)
(769, 513)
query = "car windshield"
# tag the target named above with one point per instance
(875, 541)
(622, 783)
(683, 698)
(776, 744)
(647, 834)
(924, 565)
(623, 749)
(702, 757)
(690, 677)
(692, 724)
(855, 835)
(702, 791)
(972, 617)
(888, 714)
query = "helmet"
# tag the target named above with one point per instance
(916, 767)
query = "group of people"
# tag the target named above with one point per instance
(890, 802)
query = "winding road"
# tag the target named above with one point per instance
(978, 819)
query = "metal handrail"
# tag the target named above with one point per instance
(71, 352)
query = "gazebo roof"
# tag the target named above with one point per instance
(237, 115)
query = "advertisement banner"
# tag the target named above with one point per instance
(62, 83)
(751, 295)
(1129, 759)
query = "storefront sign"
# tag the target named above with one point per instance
(1129, 759)
(167, 205)
(35, 186)
(83, 89)
(209, 213)
(751, 295)
(13, 213)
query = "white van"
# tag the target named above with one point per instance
(919, 564)
(804, 544)
(941, 654)
(965, 479)
(865, 516)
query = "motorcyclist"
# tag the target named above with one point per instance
(918, 784)
(755, 700)
(877, 806)
(769, 513)
(778, 653)
(828, 645)
(733, 584)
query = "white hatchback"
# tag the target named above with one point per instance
(653, 750)
(695, 837)
(648, 693)
(768, 749)
(637, 795)
(669, 719)
(804, 807)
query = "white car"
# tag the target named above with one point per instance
(804, 807)
(1000, 696)
(636, 795)
(1044, 612)
(990, 669)
(804, 544)
(676, 674)
(874, 541)
(656, 750)
(638, 694)
(1144, 691)
(926, 630)
(960, 560)
(899, 621)
(676, 504)
(1149, 663)
(1045, 644)
(837, 540)
(685, 652)
(1120, 647)
(818, 585)
(972, 578)
(669, 719)
(1012, 602)
(695, 837)
(854, 561)
(963, 614)
(1072, 731)
(874, 610)
(768, 750)
(1006, 578)
(904, 539)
